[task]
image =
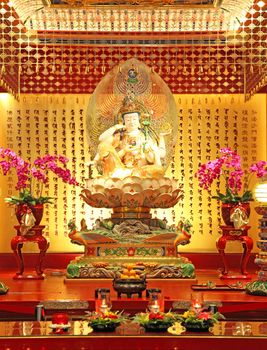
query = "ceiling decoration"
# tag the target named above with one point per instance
(183, 3)
(146, 15)
(196, 46)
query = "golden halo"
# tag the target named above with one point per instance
(107, 101)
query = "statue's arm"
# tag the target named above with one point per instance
(153, 153)
(150, 153)
(107, 134)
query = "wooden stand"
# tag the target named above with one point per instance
(34, 235)
(229, 233)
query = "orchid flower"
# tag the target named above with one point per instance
(28, 176)
(228, 167)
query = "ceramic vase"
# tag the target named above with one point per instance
(37, 211)
(228, 208)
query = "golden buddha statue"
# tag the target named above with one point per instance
(131, 147)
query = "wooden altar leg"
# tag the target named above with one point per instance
(221, 244)
(35, 235)
(16, 246)
(247, 244)
(43, 245)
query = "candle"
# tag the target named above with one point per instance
(104, 308)
(197, 301)
(154, 307)
(196, 304)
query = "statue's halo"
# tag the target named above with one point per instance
(132, 77)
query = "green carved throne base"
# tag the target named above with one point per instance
(103, 267)
(108, 249)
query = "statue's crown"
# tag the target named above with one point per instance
(130, 104)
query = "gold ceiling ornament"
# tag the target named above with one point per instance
(40, 16)
(25, 8)
(255, 49)
(192, 43)
(260, 83)
(184, 3)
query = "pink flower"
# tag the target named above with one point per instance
(48, 162)
(259, 168)
(63, 159)
(42, 165)
(16, 162)
(208, 172)
(236, 179)
(39, 175)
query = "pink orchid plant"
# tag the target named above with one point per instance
(237, 180)
(32, 179)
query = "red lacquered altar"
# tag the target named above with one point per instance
(40, 335)
(241, 310)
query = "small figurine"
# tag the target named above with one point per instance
(83, 225)
(183, 232)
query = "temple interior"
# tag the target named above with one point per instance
(122, 120)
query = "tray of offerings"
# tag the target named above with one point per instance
(130, 282)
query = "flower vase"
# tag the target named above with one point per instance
(37, 211)
(227, 210)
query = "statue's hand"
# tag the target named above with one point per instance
(119, 127)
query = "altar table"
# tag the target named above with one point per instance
(239, 235)
(39, 336)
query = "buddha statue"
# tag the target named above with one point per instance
(131, 147)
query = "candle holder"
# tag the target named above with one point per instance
(103, 302)
(155, 304)
(197, 301)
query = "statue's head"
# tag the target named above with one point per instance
(131, 112)
(131, 120)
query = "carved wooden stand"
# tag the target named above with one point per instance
(229, 233)
(34, 235)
